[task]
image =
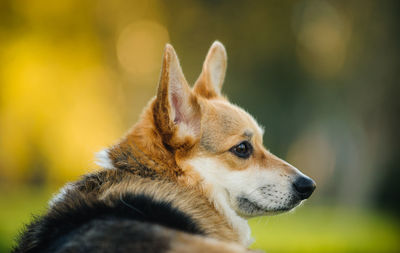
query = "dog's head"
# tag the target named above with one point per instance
(218, 145)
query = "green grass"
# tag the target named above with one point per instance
(309, 229)
(327, 229)
(16, 208)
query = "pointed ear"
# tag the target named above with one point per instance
(176, 111)
(210, 81)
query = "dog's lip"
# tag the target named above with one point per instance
(266, 211)
(241, 201)
(257, 209)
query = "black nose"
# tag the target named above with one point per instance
(304, 186)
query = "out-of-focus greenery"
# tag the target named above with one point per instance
(18, 207)
(322, 76)
(327, 229)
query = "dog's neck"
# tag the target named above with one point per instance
(130, 157)
(142, 152)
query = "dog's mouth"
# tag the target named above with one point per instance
(250, 208)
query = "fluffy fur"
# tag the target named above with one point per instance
(135, 208)
(174, 181)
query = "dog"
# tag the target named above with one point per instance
(184, 179)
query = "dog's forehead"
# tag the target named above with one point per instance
(234, 119)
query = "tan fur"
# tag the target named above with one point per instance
(185, 199)
(109, 185)
(222, 126)
(182, 124)
(183, 243)
(208, 85)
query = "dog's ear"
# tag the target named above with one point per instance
(176, 111)
(210, 81)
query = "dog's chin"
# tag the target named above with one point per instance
(248, 208)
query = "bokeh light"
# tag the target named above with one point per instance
(322, 35)
(139, 47)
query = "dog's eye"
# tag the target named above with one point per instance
(242, 150)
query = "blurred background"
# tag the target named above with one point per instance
(322, 76)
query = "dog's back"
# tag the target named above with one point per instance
(118, 211)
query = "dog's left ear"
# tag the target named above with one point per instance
(210, 81)
(176, 111)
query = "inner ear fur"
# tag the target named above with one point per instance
(209, 83)
(176, 110)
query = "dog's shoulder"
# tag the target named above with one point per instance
(99, 204)
(113, 205)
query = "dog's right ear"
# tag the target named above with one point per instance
(176, 111)
(212, 77)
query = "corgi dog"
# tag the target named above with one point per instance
(184, 179)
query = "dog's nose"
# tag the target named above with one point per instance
(304, 186)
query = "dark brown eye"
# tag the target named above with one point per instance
(242, 150)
